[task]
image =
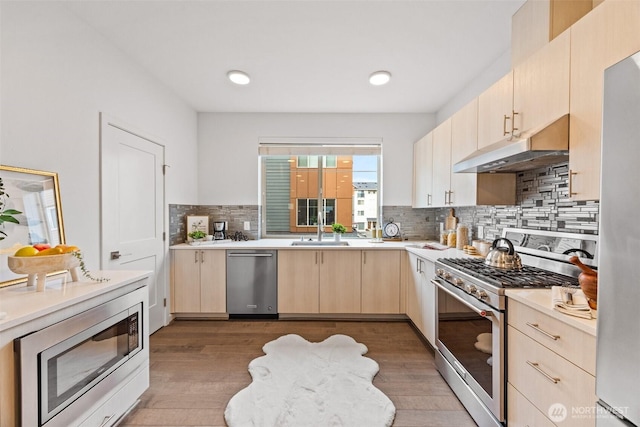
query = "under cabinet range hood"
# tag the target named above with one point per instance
(546, 146)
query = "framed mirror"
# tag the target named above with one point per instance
(30, 213)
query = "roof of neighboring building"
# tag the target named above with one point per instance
(365, 185)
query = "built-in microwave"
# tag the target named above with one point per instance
(65, 367)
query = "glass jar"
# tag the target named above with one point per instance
(462, 236)
(444, 237)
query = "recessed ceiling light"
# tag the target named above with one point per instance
(239, 77)
(380, 78)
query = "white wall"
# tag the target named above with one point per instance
(228, 149)
(498, 69)
(57, 75)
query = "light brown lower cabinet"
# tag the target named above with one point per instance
(334, 281)
(311, 282)
(198, 281)
(522, 413)
(298, 281)
(339, 281)
(421, 296)
(381, 282)
(549, 380)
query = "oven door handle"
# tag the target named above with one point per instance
(481, 312)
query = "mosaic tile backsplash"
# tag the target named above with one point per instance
(542, 203)
(235, 215)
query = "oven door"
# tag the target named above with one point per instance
(470, 337)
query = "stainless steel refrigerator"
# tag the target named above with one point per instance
(618, 339)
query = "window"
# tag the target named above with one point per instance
(312, 161)
(289, 184)
(308, 212)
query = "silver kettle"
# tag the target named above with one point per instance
(503, 257)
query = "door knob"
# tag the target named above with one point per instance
(115, 255)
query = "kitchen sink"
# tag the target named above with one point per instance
(319, 243)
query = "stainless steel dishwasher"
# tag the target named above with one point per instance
(252, 283)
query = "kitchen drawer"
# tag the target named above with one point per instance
(574, 388)
(573, 344)
(120, 402)
(522, 413)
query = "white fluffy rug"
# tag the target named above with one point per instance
(299, 383)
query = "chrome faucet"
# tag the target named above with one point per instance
(320, 226)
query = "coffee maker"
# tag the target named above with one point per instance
(219, 230)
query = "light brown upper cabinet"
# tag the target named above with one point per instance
(541, 86)
(530, 97)
(470, 189)
(453, 140)
(495, 110)
(442, 164)
(422, 173)
(608, 34)
(538, 22)
(464, 141)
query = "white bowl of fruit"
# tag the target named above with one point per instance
(41, 259)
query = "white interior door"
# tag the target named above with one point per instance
(132, 208)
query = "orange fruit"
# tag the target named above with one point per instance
(68, 248)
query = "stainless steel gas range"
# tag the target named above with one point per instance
(471, 312)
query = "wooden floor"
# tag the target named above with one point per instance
(197, 366)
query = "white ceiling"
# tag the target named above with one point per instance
(305, 55)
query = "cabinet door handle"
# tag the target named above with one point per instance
(513, 122)
(571, 175)
(537, 367)
(542, 331)
(106, 420)
(195, 253)
(201, 256)
(504, 125)
(429, 200)
(321, 257)
(450, 198)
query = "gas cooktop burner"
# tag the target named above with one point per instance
(527, 277)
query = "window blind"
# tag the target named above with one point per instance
(320, 146)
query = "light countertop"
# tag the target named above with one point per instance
(354, 244)
(20, 303)
(540, 300)
(357, 244)
(287, 244)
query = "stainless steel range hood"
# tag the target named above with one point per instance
(547, 146)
